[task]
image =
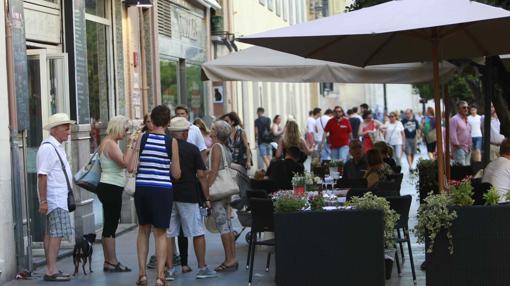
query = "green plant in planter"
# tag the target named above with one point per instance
(335, 163)
(286, 201)
(507, 196)
(371, 201)
(427, 177)
(462, 194)
(299, 180)
(433, 216)
(491, 197)
(317, 202)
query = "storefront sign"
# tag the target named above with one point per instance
(20, 61)
(189, 33)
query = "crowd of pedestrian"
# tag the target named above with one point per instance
(179, 161)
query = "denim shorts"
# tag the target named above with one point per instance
(265, 149)
(187, 216)
(477, 143)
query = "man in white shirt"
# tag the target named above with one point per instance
(194, 134)
(53, 186)
(320, 124)
(497, 173)
(311, 130)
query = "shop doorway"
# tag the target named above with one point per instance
(48, 94)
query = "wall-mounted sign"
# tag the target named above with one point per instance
(189, 32)
(218, 96)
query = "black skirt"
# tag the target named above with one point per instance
(154, 206)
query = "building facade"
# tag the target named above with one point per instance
(289, 100)
(90, 59)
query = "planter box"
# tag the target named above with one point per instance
(481, 241)
(330, 248)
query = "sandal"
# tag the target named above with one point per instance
(116, 267)
(56, 277)
(142, 280)
(227, 268)
(161, 282)
(186, 269)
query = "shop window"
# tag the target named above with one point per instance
(96, 8)
(169, 74)
(195, 91)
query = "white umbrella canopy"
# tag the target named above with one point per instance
(396, 32)
(263, 64)
(399, 32)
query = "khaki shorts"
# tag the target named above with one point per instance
(187, 216)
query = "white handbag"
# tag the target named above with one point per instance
(130, 186)
(224, 185)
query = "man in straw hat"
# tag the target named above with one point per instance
(52, 189)
(186, 209)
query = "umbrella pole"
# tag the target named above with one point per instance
(447, 132)
(437, 103)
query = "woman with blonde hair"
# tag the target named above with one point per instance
(109, 191)
(206, 133)
(292, 138)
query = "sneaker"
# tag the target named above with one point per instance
(170, 275)
(152, 262)
(206, 273)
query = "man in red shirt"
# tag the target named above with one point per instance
(338, 131)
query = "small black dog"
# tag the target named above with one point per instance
(82, 251)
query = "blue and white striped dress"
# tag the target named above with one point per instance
(154, 196)
(154, 166)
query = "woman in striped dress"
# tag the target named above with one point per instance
(158, 166)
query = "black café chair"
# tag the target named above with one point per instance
(402, 204)
(262, 212)
(351, 183)
(386, 189)
(268, 185)
(479, 189)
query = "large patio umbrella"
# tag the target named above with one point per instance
(398, 32)
(263, 64)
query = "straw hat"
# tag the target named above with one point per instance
(58, 119)
(179, 124)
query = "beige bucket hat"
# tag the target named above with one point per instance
(58, 119)
(179, 124)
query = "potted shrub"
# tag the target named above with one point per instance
(288, 201)
(316, 202)
(390, 218)
(466, 244)
(426, 172)
(335, 166)
(312, 182)
(298, 183)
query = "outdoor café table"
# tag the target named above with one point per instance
(338, 247)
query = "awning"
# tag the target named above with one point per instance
(263, 64)
(210, 3)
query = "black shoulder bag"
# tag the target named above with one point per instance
(71, 203)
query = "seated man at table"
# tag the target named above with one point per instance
(282, 171)
(355, 167)
(497, 173)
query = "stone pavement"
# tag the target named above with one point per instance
(126, 248)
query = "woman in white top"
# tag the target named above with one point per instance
(475, 121)
(394, 136)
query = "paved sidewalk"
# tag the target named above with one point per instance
(126, 248)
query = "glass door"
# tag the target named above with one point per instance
(48, 94)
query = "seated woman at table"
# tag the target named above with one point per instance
(282, 171)
(386, 153)
(377, 171)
